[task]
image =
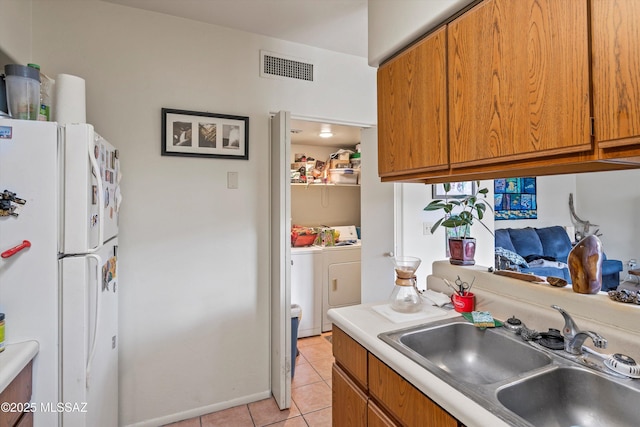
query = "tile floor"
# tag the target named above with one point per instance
(310, 395)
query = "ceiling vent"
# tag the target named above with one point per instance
(274, 65)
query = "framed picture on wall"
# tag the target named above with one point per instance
(515, 198)
(458, 189)
(198, 134)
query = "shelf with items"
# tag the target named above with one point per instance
(322, 184)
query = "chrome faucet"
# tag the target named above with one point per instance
(574, 338)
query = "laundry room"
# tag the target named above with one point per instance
(325, 218)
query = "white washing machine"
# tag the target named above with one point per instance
(306, 288)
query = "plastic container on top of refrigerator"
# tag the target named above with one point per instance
(23, 91)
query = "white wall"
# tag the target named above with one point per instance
(15, 30)
(394, 24)
(612, 200)
(194, 256)
(317, 205)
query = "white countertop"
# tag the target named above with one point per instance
(14, 358)
(364, 324)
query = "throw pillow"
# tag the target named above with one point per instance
(513, 257)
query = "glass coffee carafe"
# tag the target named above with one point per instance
(405, 297)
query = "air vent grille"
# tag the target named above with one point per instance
(273, 65)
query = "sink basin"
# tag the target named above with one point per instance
(467, 353)
(572, 397)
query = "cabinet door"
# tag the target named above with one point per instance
(349, 403)
(412, 109)
(377, 418)
(18, 391)
(26, 420)
(403, 400)
(615, 44)
(518, 81)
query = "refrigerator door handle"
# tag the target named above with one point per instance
(96, 323)
(96, 170)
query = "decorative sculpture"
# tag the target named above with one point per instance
(585, 265)
(583, 228)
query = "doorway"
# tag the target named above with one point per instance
(325, 195)
(377, 201)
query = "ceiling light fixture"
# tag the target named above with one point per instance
(326, 134)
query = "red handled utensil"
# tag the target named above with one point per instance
(14, 250)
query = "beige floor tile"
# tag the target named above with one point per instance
(300, 360)
(191, 422)
(291, 422)
(265, 412)
(233, 417)
(305, 342)
(317, 351)
(312, 397)
(329, 383)
(323, 367)
(305, 374)
(321, 418)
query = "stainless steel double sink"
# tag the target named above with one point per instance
(523, 384)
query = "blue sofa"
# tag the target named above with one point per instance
(551, 243)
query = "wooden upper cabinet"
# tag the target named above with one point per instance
(615, 39)
(412, 109)
(518, 81)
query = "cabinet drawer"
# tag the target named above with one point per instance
(404, 401)
(350, 356)
(19, 391)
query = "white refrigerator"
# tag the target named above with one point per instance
(61, 289)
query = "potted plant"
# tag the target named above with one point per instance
(459, 214)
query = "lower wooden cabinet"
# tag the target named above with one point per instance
(18, 392)
(366, 392)
(349, 406)
(404, 401)
(26, 420)
(377, 418)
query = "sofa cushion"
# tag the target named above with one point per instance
(503, 240)
(555, 242)
(526, 241)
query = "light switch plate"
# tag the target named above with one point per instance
(232, 180)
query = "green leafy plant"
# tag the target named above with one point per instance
(459, 213)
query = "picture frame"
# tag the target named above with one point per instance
(200, 134)
(515, 198)
(458, 190)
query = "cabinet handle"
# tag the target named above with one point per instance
(389, 254)
(335, 284)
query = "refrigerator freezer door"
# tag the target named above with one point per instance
(89, 313)
(28, 279)
(89, 204)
